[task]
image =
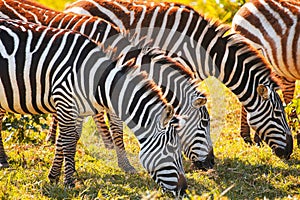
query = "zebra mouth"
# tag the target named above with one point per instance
(206, 164)
(202, 165)
(285, 153)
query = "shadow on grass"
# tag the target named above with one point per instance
(246, 181)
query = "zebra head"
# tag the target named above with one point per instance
(160, 153)
(197, 145)
(270, 121)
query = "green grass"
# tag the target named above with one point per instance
(241, 171)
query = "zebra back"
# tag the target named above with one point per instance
(273, 27)
(99, 30)
(207, 49)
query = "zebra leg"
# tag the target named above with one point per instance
(51, 137)
(55, 170)
(245, 128)
(103, 130)
(288, 89)
(3, 157)
(65, 151)
(117, 134)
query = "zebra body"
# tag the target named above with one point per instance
(204, 48)
(273, 28)
(47, 70)
(195, 140)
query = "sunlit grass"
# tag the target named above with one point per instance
(241, 171)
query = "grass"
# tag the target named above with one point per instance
(241, 171)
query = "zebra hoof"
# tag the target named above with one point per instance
(50, 139)
(132, 170)
(248, 140)
(109, 146)
(53, 179)
(4, 165)
(128, 169)
(69, 184)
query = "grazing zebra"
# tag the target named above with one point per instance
(47, 70)
(204, 47)
(273, 28)
(196, 142)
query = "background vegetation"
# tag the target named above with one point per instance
(241, 171)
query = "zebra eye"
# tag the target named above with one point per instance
(204, 123)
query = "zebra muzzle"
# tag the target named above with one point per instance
(285, 153)
(206, 164)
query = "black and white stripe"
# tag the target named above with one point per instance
(196, 140)
(272, 27)
(204, 47)
(47, 70)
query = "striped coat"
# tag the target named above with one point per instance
(273, 28)
(206, 49)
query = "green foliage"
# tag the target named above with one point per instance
(222, 10)
(293, 114)
(24, 128)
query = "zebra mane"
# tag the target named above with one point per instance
(242, 44)
(291, 5)
(132, 69)
(163, 57)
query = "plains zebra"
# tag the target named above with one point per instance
(204, 47)
(272, 27)
(47, 70)
(196, 140)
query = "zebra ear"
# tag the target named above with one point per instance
(167, 115)
(199, 102)
(263, 91)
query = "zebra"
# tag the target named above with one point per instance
(272, 27)
(204, 47)
(196, 141)
(48, 70)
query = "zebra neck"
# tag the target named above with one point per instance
(134, 99)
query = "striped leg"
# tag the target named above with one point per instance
(117, 134)
(245, 129)
(288, 89)
(65, 151)
(51, 137)
(57, 162)
(103, 130)
(3, 157)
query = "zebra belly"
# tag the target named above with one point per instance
(23, 102)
